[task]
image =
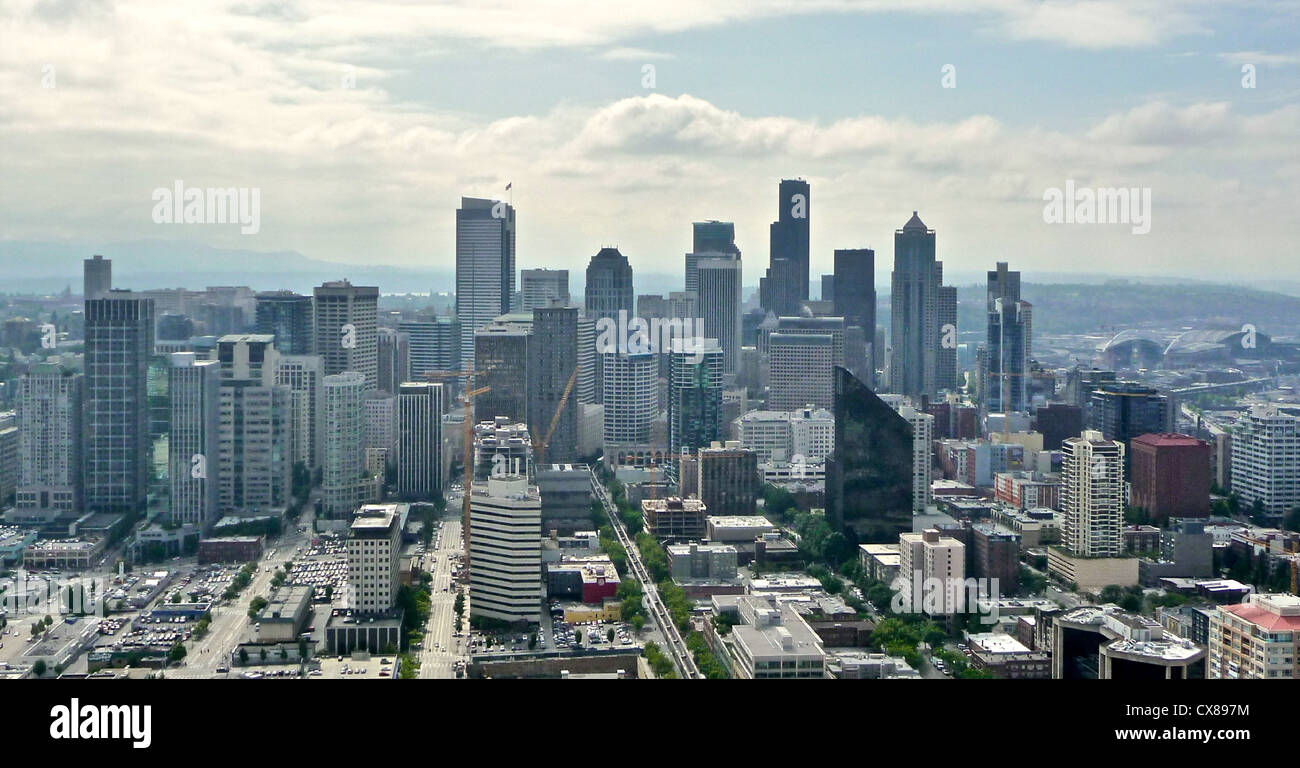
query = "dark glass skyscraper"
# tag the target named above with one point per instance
(694, 394)
(854, 294)
(119, 345)
(869, 473)
(1009, 343)
(1122, 410)
(501, 362)
(785, 286)
(288, 316)
(552, 361)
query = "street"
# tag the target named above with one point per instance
(441, 651)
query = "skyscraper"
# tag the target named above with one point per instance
(1009, 344)
(710, 239)
(505, 554)
(608, 292)
(501, 363)
(302, 375)
(869, 477)
(434, 345)
(343, 487)
(694, 394)
(419, 440)
(394, 351)
(720, 285)
(485, 265)
(347, 318)
(1122, 410)
(194, 388)
(631, 405)
(119, 344)
(1092, 495)
(854, 296)
(255, 452)
(801, 367)
(551, 364)
(287, 316)
(918, 334)
(47, 410)
(96, 277)
(539, 287)
(785, 285)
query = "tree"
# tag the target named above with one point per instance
(610, 635)
(1292, 520)
(243, 655)
(177, 652)
(38, 668)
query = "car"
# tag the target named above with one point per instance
(223, 669)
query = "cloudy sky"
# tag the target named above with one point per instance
(362, 124)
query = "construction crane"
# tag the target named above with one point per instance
(468, 397)
(555, 419)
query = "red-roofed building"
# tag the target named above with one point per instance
(1256, 640)
(1170, 475)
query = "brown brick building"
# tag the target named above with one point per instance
(1171, 475)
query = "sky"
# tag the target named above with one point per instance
(619, 123)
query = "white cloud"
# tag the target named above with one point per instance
(152, 91)
(634, 54)
(1261, 58)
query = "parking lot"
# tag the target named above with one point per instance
(555, 634)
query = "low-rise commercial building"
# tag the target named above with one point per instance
(702, 561)
(1004, 656)
(674, 519)
(768, 640)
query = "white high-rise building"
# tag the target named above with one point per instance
(48, 416)
(343, 487)
(374, 549)
(193, 445)
(1092, 495)
(302, 374)
(505, 549)
(631, 386)
(1266, 459)
(419, 440)
(779, 436)
(255, 451)
(922, 465)
(485, 265)
(719, 301)
(812, 432)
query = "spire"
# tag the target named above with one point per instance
(914, 223)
